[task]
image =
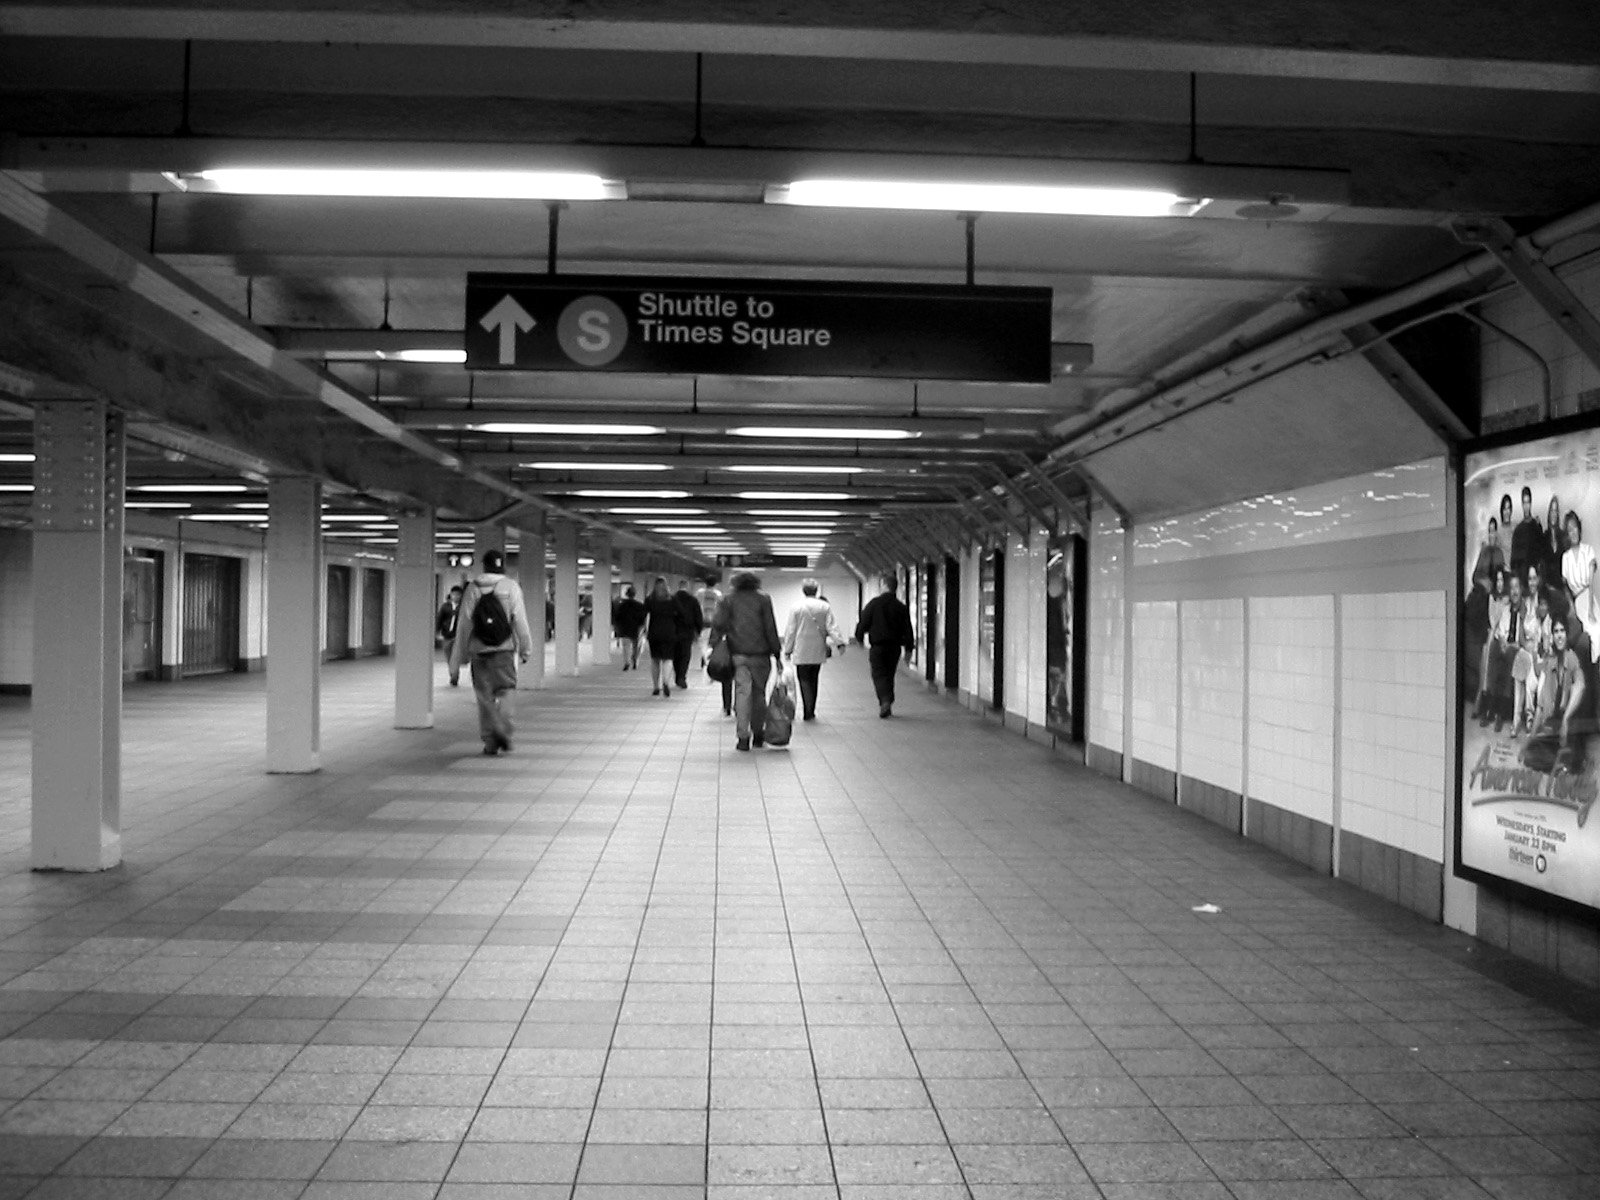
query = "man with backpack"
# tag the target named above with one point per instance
(492, 633)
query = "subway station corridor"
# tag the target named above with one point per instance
(920, 958)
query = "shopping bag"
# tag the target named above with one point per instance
(719, 664)
(780, 713)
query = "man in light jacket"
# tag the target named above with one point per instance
(494, 667)
(809, 639)
(745, 618)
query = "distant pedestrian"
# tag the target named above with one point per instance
(661, 615)
(886, 622)
(745, 618)
(809, 640)
(492, 633)
(628, 620)
(690, 623)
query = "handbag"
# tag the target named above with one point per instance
(780, 713)
(719, 663)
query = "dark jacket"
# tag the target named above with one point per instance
(690, 621)
(885, 621)
(628, 617)
(664, 627)
(744, 616)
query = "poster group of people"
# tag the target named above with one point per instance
(1532, 624)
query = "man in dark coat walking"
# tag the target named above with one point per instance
(886, 623)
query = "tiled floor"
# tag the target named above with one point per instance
(916, 959)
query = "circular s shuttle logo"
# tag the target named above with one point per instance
(592, 331)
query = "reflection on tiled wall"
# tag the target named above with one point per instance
(1291, 704)
(1397, 500)
(1213, 691)
(1392, 748)
(1105, 633)
(1511, 379)
(1155, 683)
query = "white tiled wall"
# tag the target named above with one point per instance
(1510, 377)
(1398, 500)
(1106, 590)
(16, 607)
(1018, 653)
(1393, 750)
(1290, 732)
(1213, 691)
(1155, 683)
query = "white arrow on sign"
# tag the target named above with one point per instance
(508, 316)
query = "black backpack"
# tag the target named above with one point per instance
(490, 624)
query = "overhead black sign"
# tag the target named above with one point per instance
(757, 327)
(763, 560)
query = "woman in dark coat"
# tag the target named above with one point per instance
(662, 628)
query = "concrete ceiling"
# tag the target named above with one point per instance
(202, 313)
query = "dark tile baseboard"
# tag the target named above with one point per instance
(1157, 781)
(1215, 804)
(1558, 941)
(1397, 875)
(1106, 761)
(1301, 838)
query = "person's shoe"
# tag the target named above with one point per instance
(655, 691)
(727, 712)
(809, 717)
(742, 744)
(490, 749)
(665, 690)
(883, 710)
(759, 742)
(505, 743)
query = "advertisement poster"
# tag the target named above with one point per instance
(1530, 628)
(987, 613)
(1063, 701)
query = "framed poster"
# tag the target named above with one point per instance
(1064, 627)
(1529, 644)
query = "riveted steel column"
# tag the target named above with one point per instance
(77, 636)
(414, 613)
(566, 539)
(600, 595)
(294, 628)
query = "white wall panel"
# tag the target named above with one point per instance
(1393, 748)
(1155, 683)
(1213, 689)
(1291, 685)
(16, 607)
(1018, 625)
(1107, 587)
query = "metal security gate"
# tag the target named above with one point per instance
(141, 615)
(210, 614)
(337, 634)
(372, 600)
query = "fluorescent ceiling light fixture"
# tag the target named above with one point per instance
(632, 494)
(16, 487)
(837, 432)
(573, 427)
(676, 531)
(19, 457)
(354, 517)
(158, 504)
(658, 512)
(593, 466)
(984, 197)
(795, 512)
(796, 469)
(794, 496)
(262, 504)
(449, 185)
(424, 355)
(191, 487)
(242, 518)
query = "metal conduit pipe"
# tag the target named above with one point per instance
(1310, 335)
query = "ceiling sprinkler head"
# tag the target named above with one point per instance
(1276, 208)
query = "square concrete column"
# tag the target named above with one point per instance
(534, 581)
(485, 537)
(600, 591)
(77, 635)
(294, 630)
(566, 540)
(414, 614)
